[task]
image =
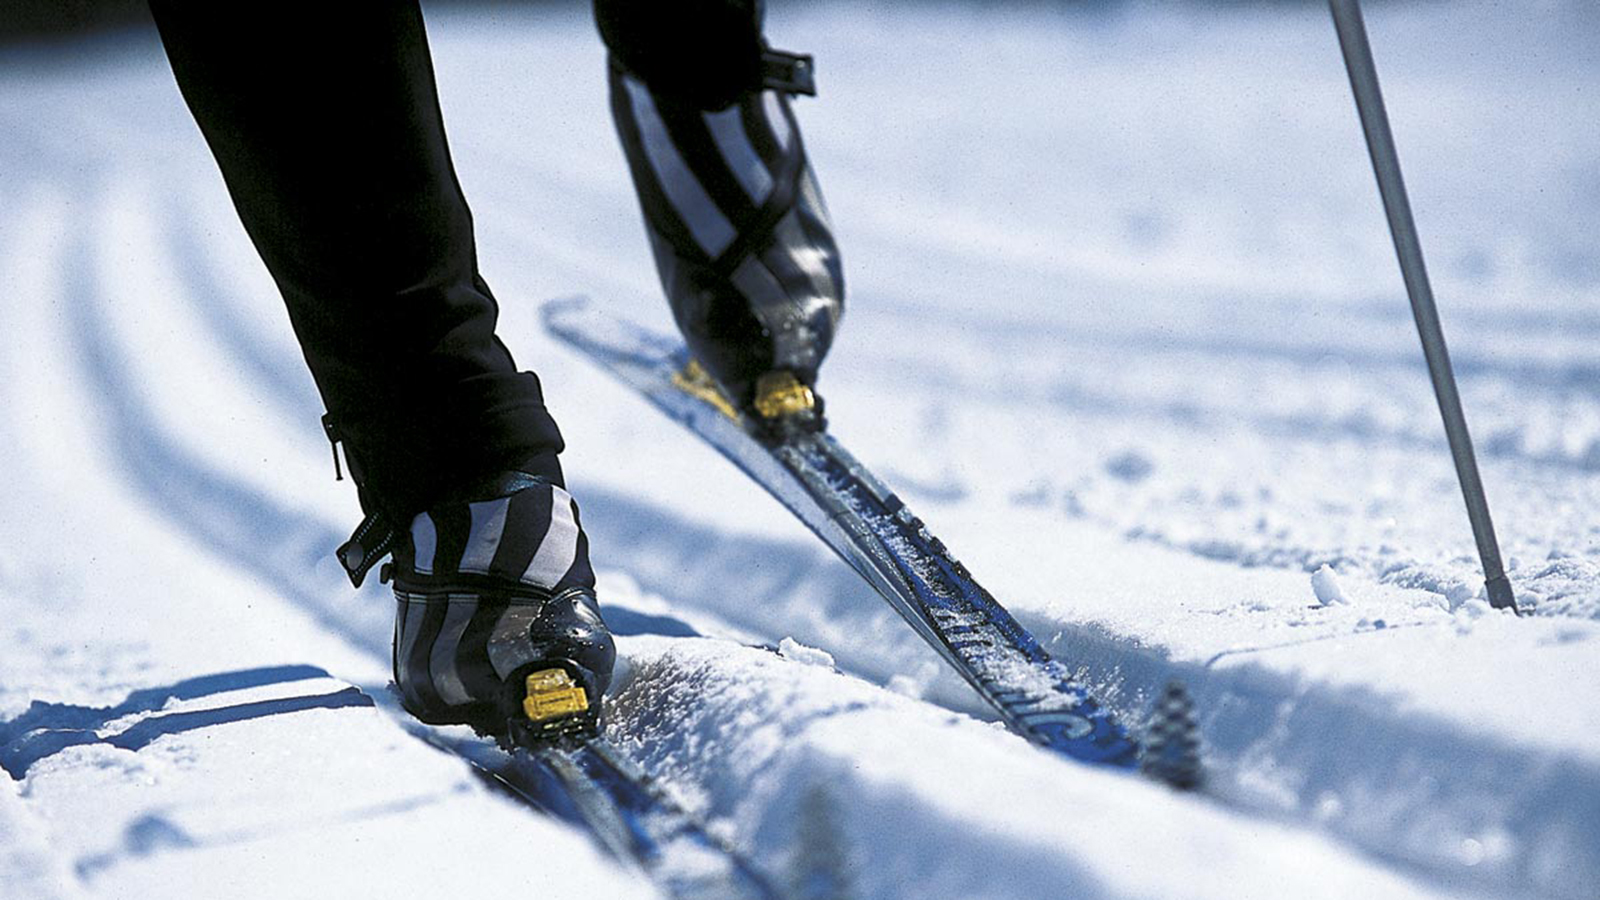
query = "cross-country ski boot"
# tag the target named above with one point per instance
(496, 622)
(733, 211)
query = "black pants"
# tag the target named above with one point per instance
(325, 122)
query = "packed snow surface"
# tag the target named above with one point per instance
(1125, 329)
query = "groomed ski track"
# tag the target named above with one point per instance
(1142, 377)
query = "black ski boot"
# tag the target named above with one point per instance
(496, 623)
(734, 214)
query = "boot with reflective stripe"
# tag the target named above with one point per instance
(737, 223)
(497, 625)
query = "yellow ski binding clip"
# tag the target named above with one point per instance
(780, 394)
(551, 695)
(695, 381)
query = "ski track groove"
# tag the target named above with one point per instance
(1250, 708)
(237, 522)
(1078, 392)
(290, 388)
(227, 517)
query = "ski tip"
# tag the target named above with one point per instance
(1171, 748)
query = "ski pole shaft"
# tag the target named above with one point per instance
(1386, 165)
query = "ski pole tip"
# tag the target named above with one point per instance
(1500, 594)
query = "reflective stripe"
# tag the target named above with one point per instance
(775, 116)
(416, 611)
(560, 546)
(727, 130)
(790, 239)
(442, 660)
(509, 644)
(425, 538)
(811, 196)
(399, 629)
(762, 289)
(483, 539)
(711, 229)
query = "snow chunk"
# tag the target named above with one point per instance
(1459, 594)
(1325, 582)
(789, 648)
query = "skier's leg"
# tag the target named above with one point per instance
(324, 119)
(325, 122)
(734, 215)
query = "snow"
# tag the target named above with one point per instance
(1325, 584)
(789, 648)
(805, 757)
(1128, 336)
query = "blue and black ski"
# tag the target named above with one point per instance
(812, 474)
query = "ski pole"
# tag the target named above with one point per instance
(1386, 165)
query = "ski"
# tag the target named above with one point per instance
(872, 530)
(593, 785)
